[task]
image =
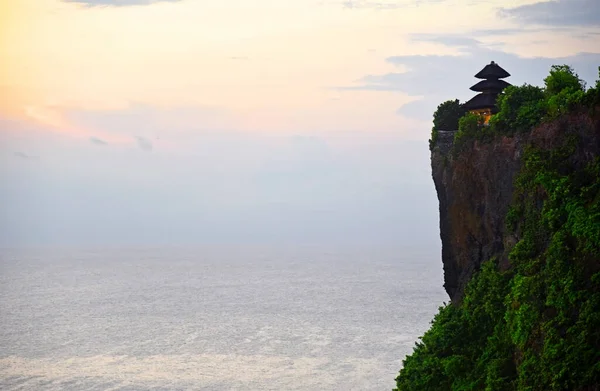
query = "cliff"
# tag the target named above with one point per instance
(475, 188)
(519, 203)
(474, 191)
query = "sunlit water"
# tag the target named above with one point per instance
(212, 319)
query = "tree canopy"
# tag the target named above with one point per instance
(563, 77)
(447, 115)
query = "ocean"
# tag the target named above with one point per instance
(212, 318)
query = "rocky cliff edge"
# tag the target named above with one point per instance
(475, 187)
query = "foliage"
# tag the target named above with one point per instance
(537, 325)
(563, 102)
(433, 139)
(470, 127)
(564, 89)
(447, 115)
(467, 347)
(553, 294)
(520, 109)
(446, 118)
(563, 77)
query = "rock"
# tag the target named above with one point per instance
(475, 190)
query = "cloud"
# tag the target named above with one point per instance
(513, 31)
(144, 143)
(353, 4)
(23, 155)
(448, 40)
(97, 141)
(116, 3)
(557, 13)
(441, 77)
(496, 32)
(590, 35)
(385, 5)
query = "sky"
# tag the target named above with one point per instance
(141, 122)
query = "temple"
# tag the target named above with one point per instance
(489, 88)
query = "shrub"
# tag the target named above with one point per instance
(465, 348)
(468, 128)
(563, 77)
(563, 102)
(520, 109)
(446, 117)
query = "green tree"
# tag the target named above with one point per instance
(563, 77)
(447, 115)
(521, 108)
(564, 101)
(468, 128)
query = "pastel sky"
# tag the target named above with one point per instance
(133, 122)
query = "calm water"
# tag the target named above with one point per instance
(212, 319)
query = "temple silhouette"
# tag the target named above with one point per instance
(489, 88)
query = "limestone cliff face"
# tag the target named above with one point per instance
(475, 190)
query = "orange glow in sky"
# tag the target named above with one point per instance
(271, 64)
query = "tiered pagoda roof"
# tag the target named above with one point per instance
(482, 101)
(489, 88)
(492, 71)
(490, 84)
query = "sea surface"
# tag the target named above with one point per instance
(245, 318)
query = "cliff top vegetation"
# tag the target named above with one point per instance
(520, 107)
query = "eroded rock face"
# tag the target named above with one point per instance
(475, 190)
